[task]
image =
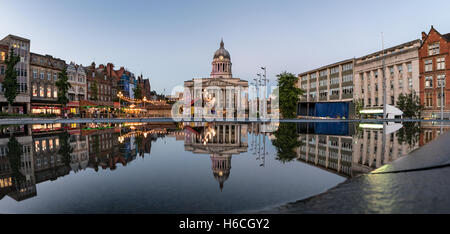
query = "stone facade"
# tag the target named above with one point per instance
(77, 79)
(226, 93)
(401, 72)
(44, 74)
(21, 47)
(329, 84)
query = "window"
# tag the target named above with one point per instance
(323, 93)
(2, 56)
(400, 68)
(409, 65)
(334, 80)
(400, 83)
(334, 92)
(347, 67)
(429, 82)
(55, 77)
(334, 70)
(428, 65)
(429, 100)
(391, 70)
(49, 91)
(312, 85)
(36, 146)
(347, 78)
(55, 93)
(433, 48)
(323, 73)
(41, 91)
(440, 63)
(304, 78)
(375, 73)
(410, 84)
(34, 90)
(313, 76)
(323, 82)
(347, 90)
(35, 75)
(41, 75)
(49, 76)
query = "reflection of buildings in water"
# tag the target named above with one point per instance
(41, 161)
(431, 130)
(17, 188)
(221, 141)
(79, 158)
(103, 146)
(349, 155)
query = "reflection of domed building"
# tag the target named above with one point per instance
(221, 141)
(221, 166)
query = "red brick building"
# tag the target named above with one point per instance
(100, 98)
(434, 71)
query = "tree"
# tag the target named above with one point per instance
(65, 150)
(13, 155)
(410, 105)
(138, 92)
(286, 141)
(288, 94)
(94, 91)
(409, 134)
(358, 106)
(63, 86)
(10, 83)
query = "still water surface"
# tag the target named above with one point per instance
(187, 167)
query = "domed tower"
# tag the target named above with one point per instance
(221, 64)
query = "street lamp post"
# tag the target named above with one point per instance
(265, 80)
(442, 98)
(259, 94)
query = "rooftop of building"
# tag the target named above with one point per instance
(392, 50)
(327, 66)
(16, 37)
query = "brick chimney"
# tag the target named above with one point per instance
(424, 35)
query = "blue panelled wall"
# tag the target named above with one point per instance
(337, 110)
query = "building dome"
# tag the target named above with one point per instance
(221, 64)
(222, 52)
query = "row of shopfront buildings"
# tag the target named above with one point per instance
(93, 89)
(419, 66)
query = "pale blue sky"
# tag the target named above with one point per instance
(173, 41)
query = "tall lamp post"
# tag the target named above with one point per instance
(259, 94)
(119, 95)
(145, 108)
(265, 80)
(442, 81)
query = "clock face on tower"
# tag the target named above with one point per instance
(221, 57)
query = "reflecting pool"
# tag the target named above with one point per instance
(189, 167)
